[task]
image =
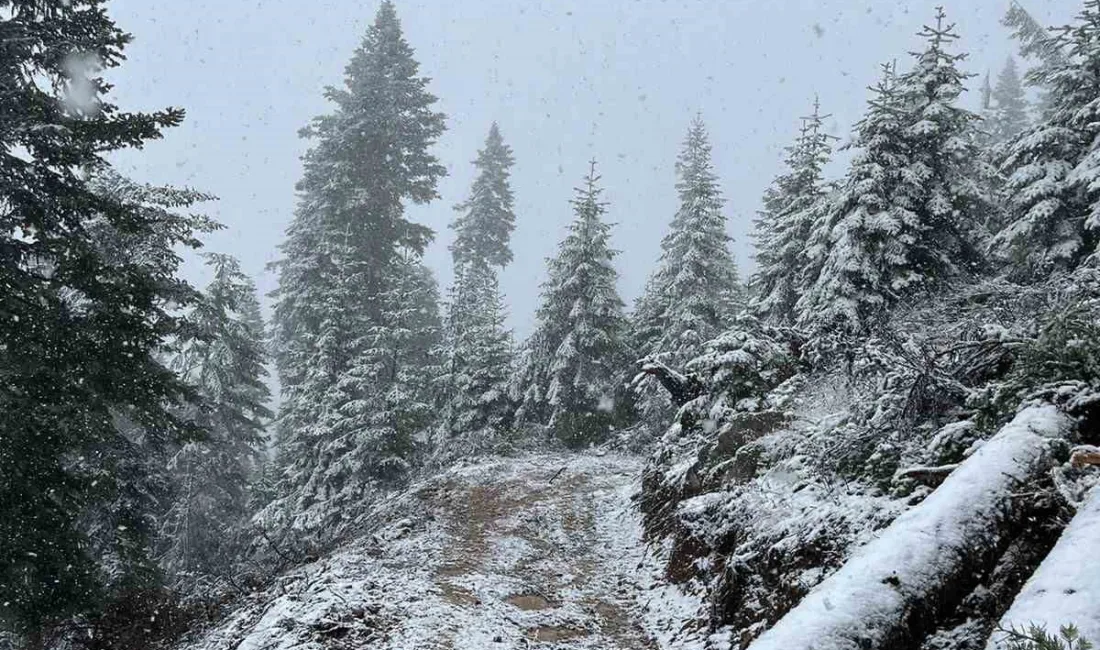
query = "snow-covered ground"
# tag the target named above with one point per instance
(536, 551)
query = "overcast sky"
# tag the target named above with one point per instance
(617, 80)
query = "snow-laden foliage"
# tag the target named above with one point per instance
(736, 369)
(768, 480)
(373, 418)
(223, 359)
(573, 382)
(695, 288)
(793, 202)
(478, 369)
(478, 408)
(486, 220)
(908, 216)
(1052, 169)
(81, 321)
(356, 322)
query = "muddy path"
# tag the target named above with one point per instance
(535, 555)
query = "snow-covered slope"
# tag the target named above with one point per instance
(536, 551)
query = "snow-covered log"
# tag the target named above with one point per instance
(897, 583)
(1065, 589)
(681, 388)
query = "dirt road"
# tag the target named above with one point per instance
(536, 552)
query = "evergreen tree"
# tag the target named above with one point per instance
(347, 251)
(479, 349)
(847, 243)
(908, 215)
(1006, 116)
(80, 320)
(1039, 45)
(1052, 169)
(695, 288)
(487, 219)
(224, 361)
(479, 409)
(577, 348)
(791, 206)
(375, 415)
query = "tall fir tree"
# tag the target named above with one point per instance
(478, 407)
(696, 285)
(908, 216)
(487, 218)
(1006, 116)
(224, 360)
(795, 200)
(347, 248)
(577, 350)
(1052, 169)
(89, 295)
(695, 289)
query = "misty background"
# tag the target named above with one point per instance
(614, 80)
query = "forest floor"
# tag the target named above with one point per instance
(533, 552)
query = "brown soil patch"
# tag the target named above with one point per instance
(453, 570)
(615, 622)
(552, 633)
(458, 595)
(528, 602)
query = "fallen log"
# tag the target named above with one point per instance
(1065, 589)
(681, 388)
(891, 591)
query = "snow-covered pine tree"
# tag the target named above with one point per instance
(1007, 114)
(795, 200)
(954, 198)
(845, 246)
(908, 215)
(479, 408)
(579, 348)
(346, 247)
(79, 328)
(1052, 169)
(375, 416)
(486, 220)
(223, 359)
(695, 289)
(1039, 45)
(479, 349)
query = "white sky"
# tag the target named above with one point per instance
(618, 80)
